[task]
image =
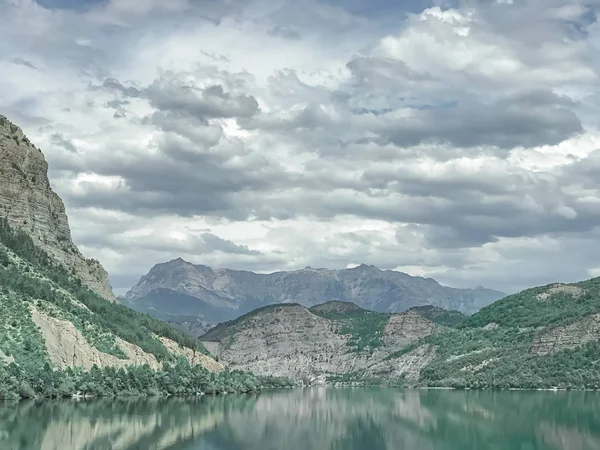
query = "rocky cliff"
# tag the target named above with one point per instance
(567, 336)
(327, 340)
(30, 204)
(179, 288)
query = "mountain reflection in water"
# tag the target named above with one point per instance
(313, 418)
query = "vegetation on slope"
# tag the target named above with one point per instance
(226, 329)
(440, 316)
(179, 378)
(492, 348)
(535, 307)
(29, 277)
(364, 327)
(43, 279)
(509, 366)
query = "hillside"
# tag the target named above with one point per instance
(439, 315)
(293, 341)
(179, 288)
(59, 336)
(544, 337)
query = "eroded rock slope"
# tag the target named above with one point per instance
(30, 204)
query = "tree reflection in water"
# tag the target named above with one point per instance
(313, 418)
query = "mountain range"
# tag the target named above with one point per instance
(184, 292)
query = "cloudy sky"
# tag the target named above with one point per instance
(453, 139)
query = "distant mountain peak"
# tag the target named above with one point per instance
(366, 267)
(176, 262)
(234, 292)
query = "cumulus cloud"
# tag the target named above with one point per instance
(459, 142)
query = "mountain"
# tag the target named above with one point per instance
(179, 288)
(290, 340)
(28, 203)
(61, 332)
(544, 337)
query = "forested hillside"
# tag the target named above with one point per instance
(33, 286)
(544, 337)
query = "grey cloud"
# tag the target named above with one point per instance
(24, 62)
(528, 119)
(59, 140)
(311, 117)
(202, 244)
(386, 72)
(184, 178)
(115, 85)
(218, 244)
(212, 102)
(563, 259)
(117, 104)
(190, 127)
(339, 133)
(584, 171)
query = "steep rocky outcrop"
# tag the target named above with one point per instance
(180, 288)
(293, 341)
(67, 347)
(569, 336)
(402, 329)
(30, 204)
(408, 366)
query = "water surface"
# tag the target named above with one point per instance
(312, 419)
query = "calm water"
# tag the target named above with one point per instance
(315, 419)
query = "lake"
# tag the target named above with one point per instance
(312, 418)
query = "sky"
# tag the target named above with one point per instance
(456, 140)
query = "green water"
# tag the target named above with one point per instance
(315, 419)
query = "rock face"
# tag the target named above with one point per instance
(67, 347)
(402, 329)
(29, 203)
(181, 288)
(195, 358)
(408, 365)
(292, 341)
(567, 289)
(568, 336)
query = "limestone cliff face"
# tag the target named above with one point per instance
(29, 203)
(402, 329)
(291, 341)
(67, 347)
(569, 336)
